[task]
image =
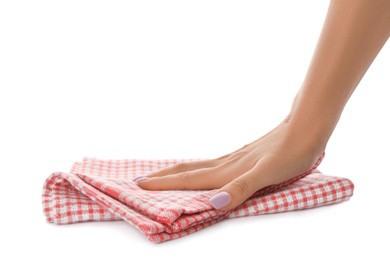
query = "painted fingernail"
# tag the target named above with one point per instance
(220, 200)
(138, 180)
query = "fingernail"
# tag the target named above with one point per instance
(140, 179)
(137, 178)
(220, 200)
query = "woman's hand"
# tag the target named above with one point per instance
(283, 153)
(353, 34)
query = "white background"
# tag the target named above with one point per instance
(177, 79)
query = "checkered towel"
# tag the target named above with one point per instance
(101, 190)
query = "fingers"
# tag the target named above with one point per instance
(234, 191)
(199, 179)
(183, 167)
(237, 191)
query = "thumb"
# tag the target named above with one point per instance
(236, 192)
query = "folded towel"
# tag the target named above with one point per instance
(101, 190)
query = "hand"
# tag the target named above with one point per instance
(282, 154)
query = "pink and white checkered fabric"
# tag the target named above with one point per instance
(101, 190)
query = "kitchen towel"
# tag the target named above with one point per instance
(102, 190)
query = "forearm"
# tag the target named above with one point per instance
(353, 34)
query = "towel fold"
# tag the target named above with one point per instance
(102, 190)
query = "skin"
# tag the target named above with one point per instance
(353, 33)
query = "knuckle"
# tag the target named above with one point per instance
(241, 186)
(183, 179)
(180, 167)
(221, 158)
(210, 162)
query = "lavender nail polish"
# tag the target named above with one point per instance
(220, 200)
(137, 178)
(140, 179)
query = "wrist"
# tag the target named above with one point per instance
(311, 136)
(312, 119)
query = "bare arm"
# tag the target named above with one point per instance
(353, 34)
